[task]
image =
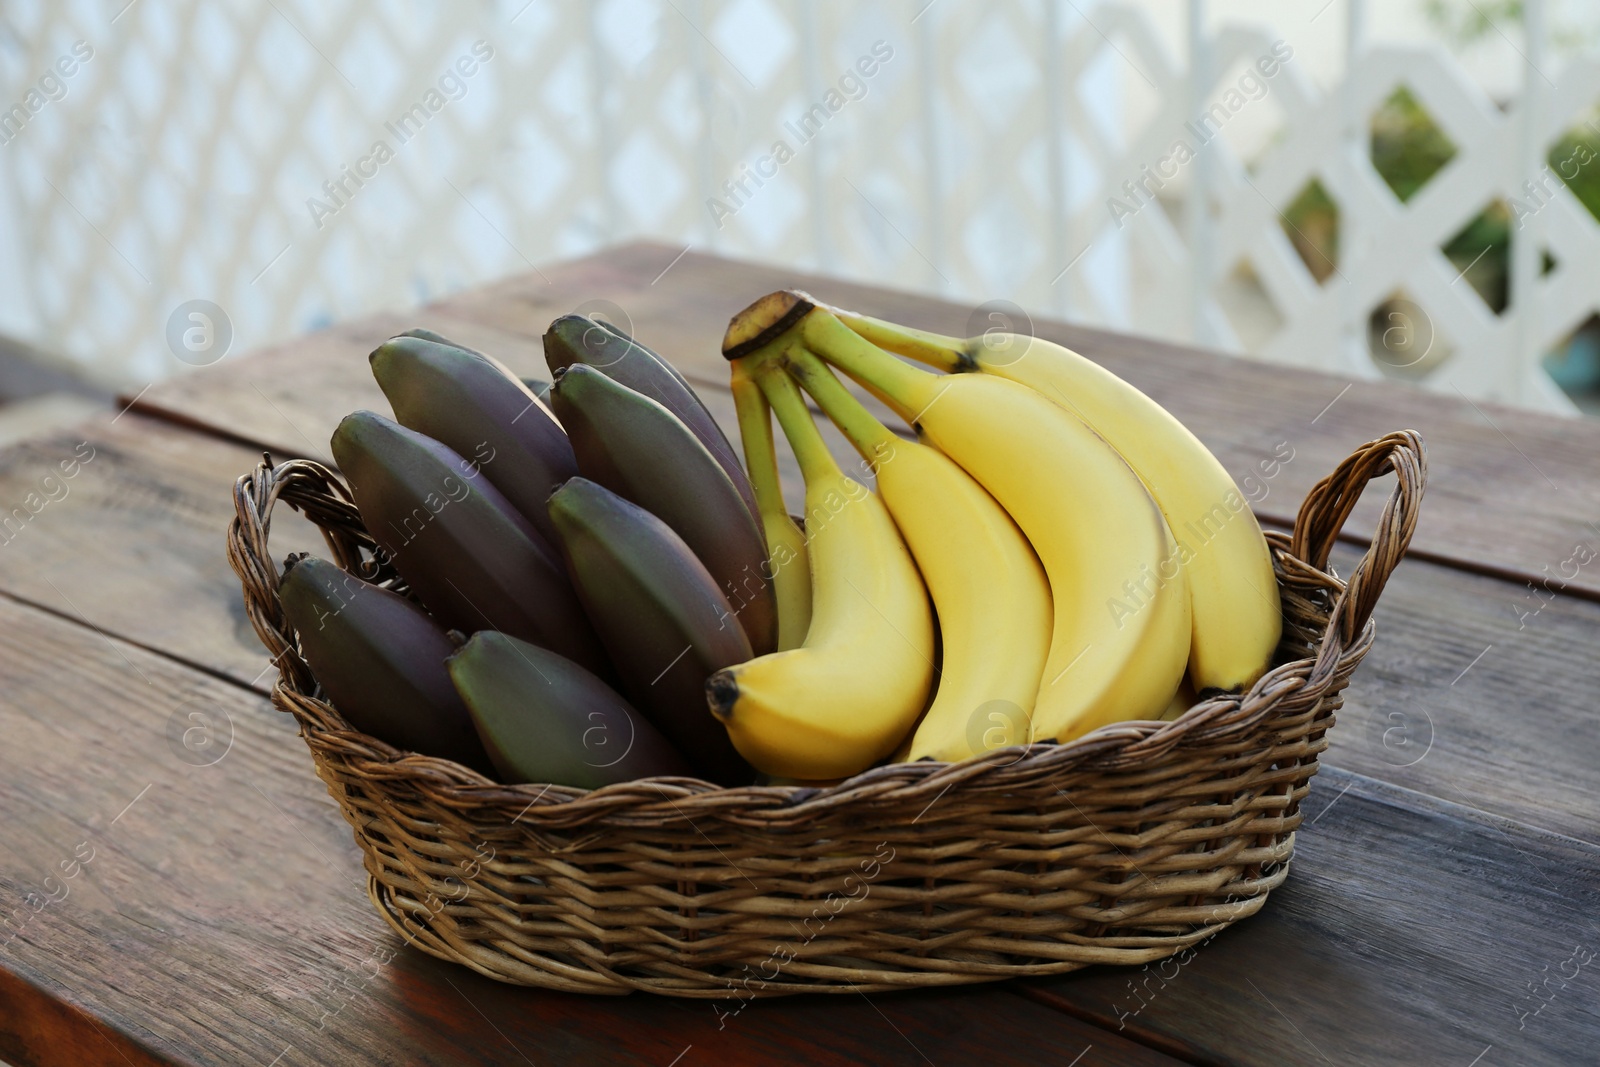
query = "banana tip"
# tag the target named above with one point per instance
(722, 693)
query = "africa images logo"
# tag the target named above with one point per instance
(452, 85)
(52, 85)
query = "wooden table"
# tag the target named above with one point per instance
(203, 903)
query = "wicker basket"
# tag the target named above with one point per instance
(1125, 846)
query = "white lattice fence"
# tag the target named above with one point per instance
(1389, 247)
(972, 149)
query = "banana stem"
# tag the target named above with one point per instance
(816, 462)
(903, 387)
(935, 349)
(869, 436)
(755, 429)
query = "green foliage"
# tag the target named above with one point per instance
(1462, 25)
(1465, 22)
(1482, 252)
(1575, 159)
(1311, 223)
(1408, 147)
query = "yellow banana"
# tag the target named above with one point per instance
(990, 593)
(847, 696)
(787, 566)
(1182, 701)
(1232, 590)
(1120, 639)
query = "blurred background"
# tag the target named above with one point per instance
(1407, 189)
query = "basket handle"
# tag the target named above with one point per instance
(315, 491)
(1329, 504)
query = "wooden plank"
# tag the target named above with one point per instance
(291, 396)
(1409, 931)
(1470, 696)
(40, 1026)
(205, 903)
(1512, 491)
(132, 540)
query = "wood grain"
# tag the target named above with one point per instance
(219, 913)
(1512, 492)
(1407, 933)
(39, 1026)
(132, 542)
(1467, 700)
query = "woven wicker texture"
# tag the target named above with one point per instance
(1124, 846)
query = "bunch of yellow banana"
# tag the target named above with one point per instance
(1037, 507)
